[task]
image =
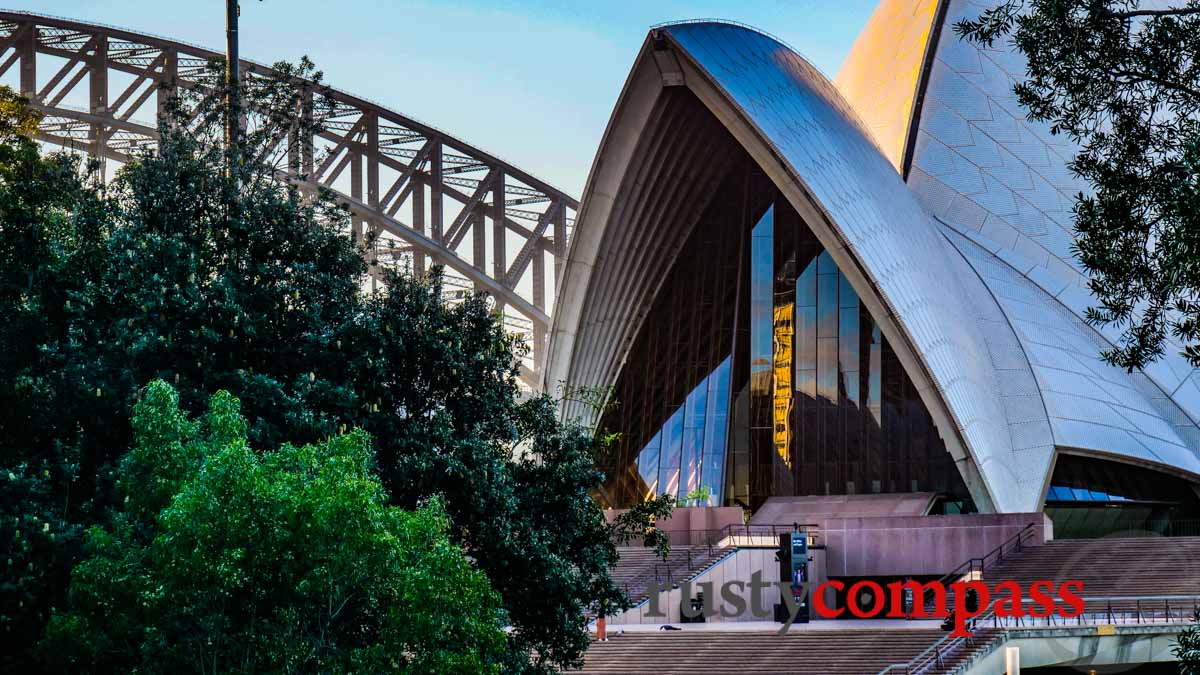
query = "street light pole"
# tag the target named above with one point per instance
(232, 82)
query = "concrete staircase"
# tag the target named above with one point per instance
(813, 652)
(639, 568)
(945, 656)
(1117, 569)
(1109, 567)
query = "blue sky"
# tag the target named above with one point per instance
(532, 81)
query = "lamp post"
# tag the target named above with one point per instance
(232, 83)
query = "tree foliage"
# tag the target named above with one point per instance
(209, 279)
(1187, 648)
(638, 523)
(52, 230)
(222, 559)
(1121, 78)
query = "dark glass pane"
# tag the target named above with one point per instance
(757, 371)
(806, 286)
(672, 446)
(783, 381)
(688, 330)
(1092, 497)
(827, 370)
(716, 432)
(762, 282)
(827, 309)
(875, 377)
(848, 351)
(847, 297)
(648, 466)
(806, 350)
(693, 439)
(825, 264)
(806, 382)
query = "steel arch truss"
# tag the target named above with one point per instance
(426, 196)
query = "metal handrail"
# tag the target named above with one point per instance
(1163, 527)
(966, 568)
(713, 537)
(666, 571)
(921, 661)
(969, 566)
(945, 646)
(1146, 609)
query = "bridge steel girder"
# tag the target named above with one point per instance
(397, 165)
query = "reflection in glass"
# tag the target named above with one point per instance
(758, 371)
(648, 465)
(762, 278)
(685, 336)
(692, 455)
(668, 461)
(716, 431)
(1090, 497)
(874, 380)
(696, 411)
(783, 383)
(806, 331)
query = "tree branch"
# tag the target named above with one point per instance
(1166, 84)
(1155, 12)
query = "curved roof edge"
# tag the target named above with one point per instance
(884, 74)
(802, 133)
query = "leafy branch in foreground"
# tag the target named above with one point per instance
(223, 559)
(637, 523)
(1187, 647)
(1122, 82)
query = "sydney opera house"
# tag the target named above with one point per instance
(795, 286)
(841, 320)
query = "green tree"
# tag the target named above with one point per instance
(1187, 648)
(1121, 78)
(222, 559)
(181, 271)
(52, 229)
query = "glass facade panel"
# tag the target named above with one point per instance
(672, 409)
(827, 301)
(716, 432)
(874, 375)
(759, 372)
(689, 452)
(827, 374)
(1091, 498)
(696, 411)
(648, 465)
(806, 331)
(668, 460)
(761, 302)
(848, 353)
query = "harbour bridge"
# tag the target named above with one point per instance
(423, 196)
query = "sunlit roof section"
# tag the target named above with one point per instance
(881, 74)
